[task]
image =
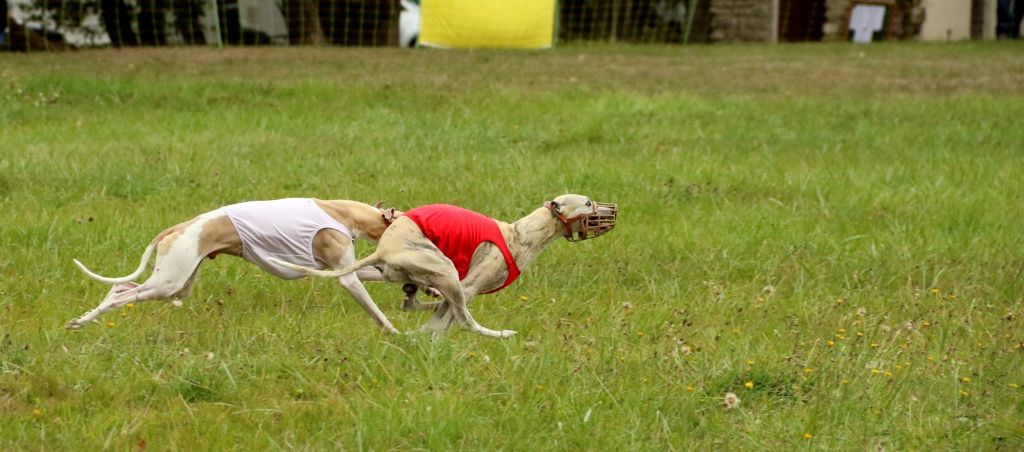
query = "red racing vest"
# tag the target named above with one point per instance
(457, 232)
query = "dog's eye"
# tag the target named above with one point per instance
(588, 203)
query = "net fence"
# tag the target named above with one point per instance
(38, 25)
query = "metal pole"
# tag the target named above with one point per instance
(774, 38)
(216, 24)
(689, 21)
(615, 19)
(558, 22)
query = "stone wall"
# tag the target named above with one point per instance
(742, 20)
(754, 20)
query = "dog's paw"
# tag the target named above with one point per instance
(507, 333)
(73, 324)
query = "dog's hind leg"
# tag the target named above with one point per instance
(176, 264)
(113, 301)
(455, 306)
(155, 288)
(441, 321)
(411, 303)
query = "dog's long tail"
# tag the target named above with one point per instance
(142, 267)
(364, 262)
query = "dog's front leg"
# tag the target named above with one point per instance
(351, 283)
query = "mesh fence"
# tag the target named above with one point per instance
(642, 21)
(37, 25)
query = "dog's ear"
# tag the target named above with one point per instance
(389, 214)
(555, 206)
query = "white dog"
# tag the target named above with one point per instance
(462, 253)
(303, 231)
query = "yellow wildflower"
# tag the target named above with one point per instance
(808, 436)
(110, 324)
(749, 384)
(966, 380)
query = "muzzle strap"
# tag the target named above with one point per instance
(599, 220)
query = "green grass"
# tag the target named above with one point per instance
(839, 226)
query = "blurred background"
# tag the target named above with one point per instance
(40, 25)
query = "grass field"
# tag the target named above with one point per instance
(832, 233)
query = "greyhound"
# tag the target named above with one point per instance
(309, 231)
(419, 248)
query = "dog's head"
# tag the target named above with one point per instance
(388, 214)
(582, 217)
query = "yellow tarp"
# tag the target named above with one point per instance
(520, 24)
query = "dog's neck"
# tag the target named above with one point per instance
(363, 220)
(528, 236)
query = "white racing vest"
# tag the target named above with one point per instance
(283, 229)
